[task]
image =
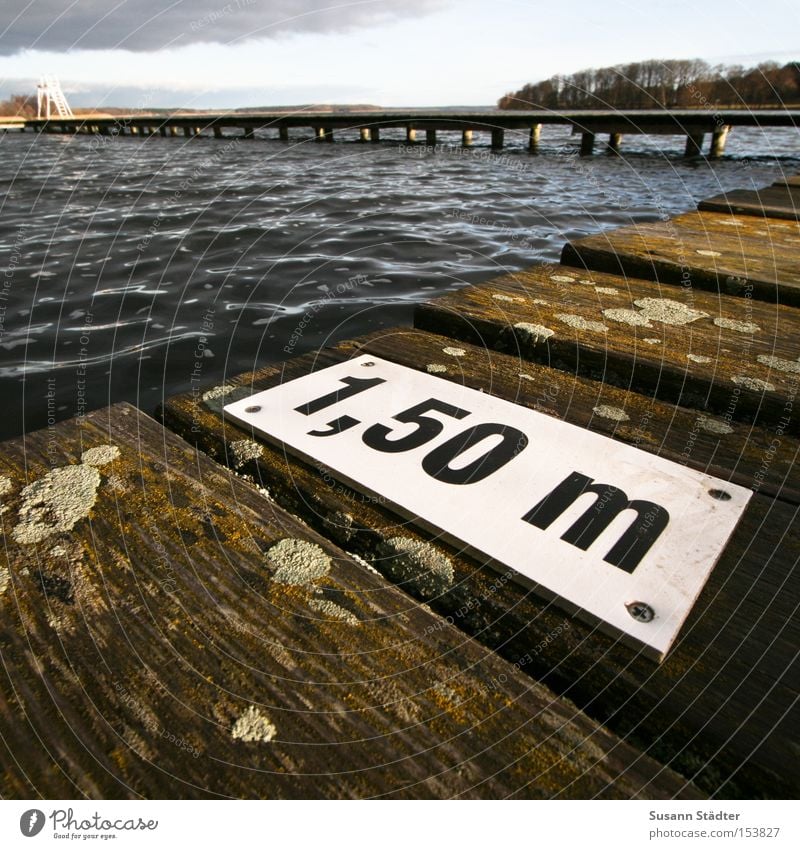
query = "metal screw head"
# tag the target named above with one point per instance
(254, 409)
(367, 364)
(719, 494)
(641, 611)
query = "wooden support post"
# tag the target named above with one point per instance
(466, 138)
(187, 131)
(718, 139)
(283, 133)
(411, 135)
(328, 134)
(587, 144)
(430, 138)
(363, 134)
(694, 145)
(162, 131)
(249, 133)
(614, 141)
(375, 134)
(319, 134)
(533, 139)
(217, 131)
(498, 137)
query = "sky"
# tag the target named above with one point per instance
(236, 53)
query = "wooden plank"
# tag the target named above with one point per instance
(769, 202)
(696, 710)
(789, 180)
(156, 642)
(731, 356)
(740, 261)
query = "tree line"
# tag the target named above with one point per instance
(671, 83)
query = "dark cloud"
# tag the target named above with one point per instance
(153, 24)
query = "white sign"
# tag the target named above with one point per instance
(622, 537)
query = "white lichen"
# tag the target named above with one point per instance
(715, 426)
(753, 383)
(419, 565)
(562, 278)
(244, 450)
(298, 562)
(533, 334)
(5, 579)
(580, 323)
(540, 302)
(698, 358)
(217, 392)
(526, 376)
(333, 611)
(738, 326)
(616, 414)
(454, 352)
(56, 503)
(779, 364)
(253, 727)
(709, 253)
(100, 456)
(5, 485)
(668, 311)
(586, 282)
(632, 317)
(652, 341)
(507, 298)
(607, 290)
(436, 368)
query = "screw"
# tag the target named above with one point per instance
(254, 409)
(640, 611)
(719, 494)
(367, 365)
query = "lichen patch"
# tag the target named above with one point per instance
(418, 565)
(436, 368)
(652, 341)
(217, 392)
(632, 317)
(668, 311)
(244, 450)
(533, 333)
(454, 352)
(698, 358)
(298, 562)
(332, 610)
(253, 727)
(100, 455)
(779, 364)
(507, 298)
(738, 326)
(606, 411)
(562, 278)
(56, 503)
(753, 383)
(5, 485)
(715, 426)
(709, 253)
(578, 322)
(606, 290)
(5, 579)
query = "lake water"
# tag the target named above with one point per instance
(127, 260)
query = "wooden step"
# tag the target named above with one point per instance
(752, 258)
(734, 357)
(167, 631)
(695, 710)
(776, 201)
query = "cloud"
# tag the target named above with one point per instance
(145, 25)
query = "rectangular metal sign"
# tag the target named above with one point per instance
(624, 538)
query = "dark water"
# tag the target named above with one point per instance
(133, 267)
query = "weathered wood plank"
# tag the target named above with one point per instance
(747, 260)
(156, 642)
(789, 180)
(735, 357)
(769, 202)
(696, 710)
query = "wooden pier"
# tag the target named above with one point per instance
(188, 611)
(695, 125)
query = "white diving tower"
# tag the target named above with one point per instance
(50, 98)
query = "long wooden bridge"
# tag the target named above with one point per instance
(188, 611)
(694, 124)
